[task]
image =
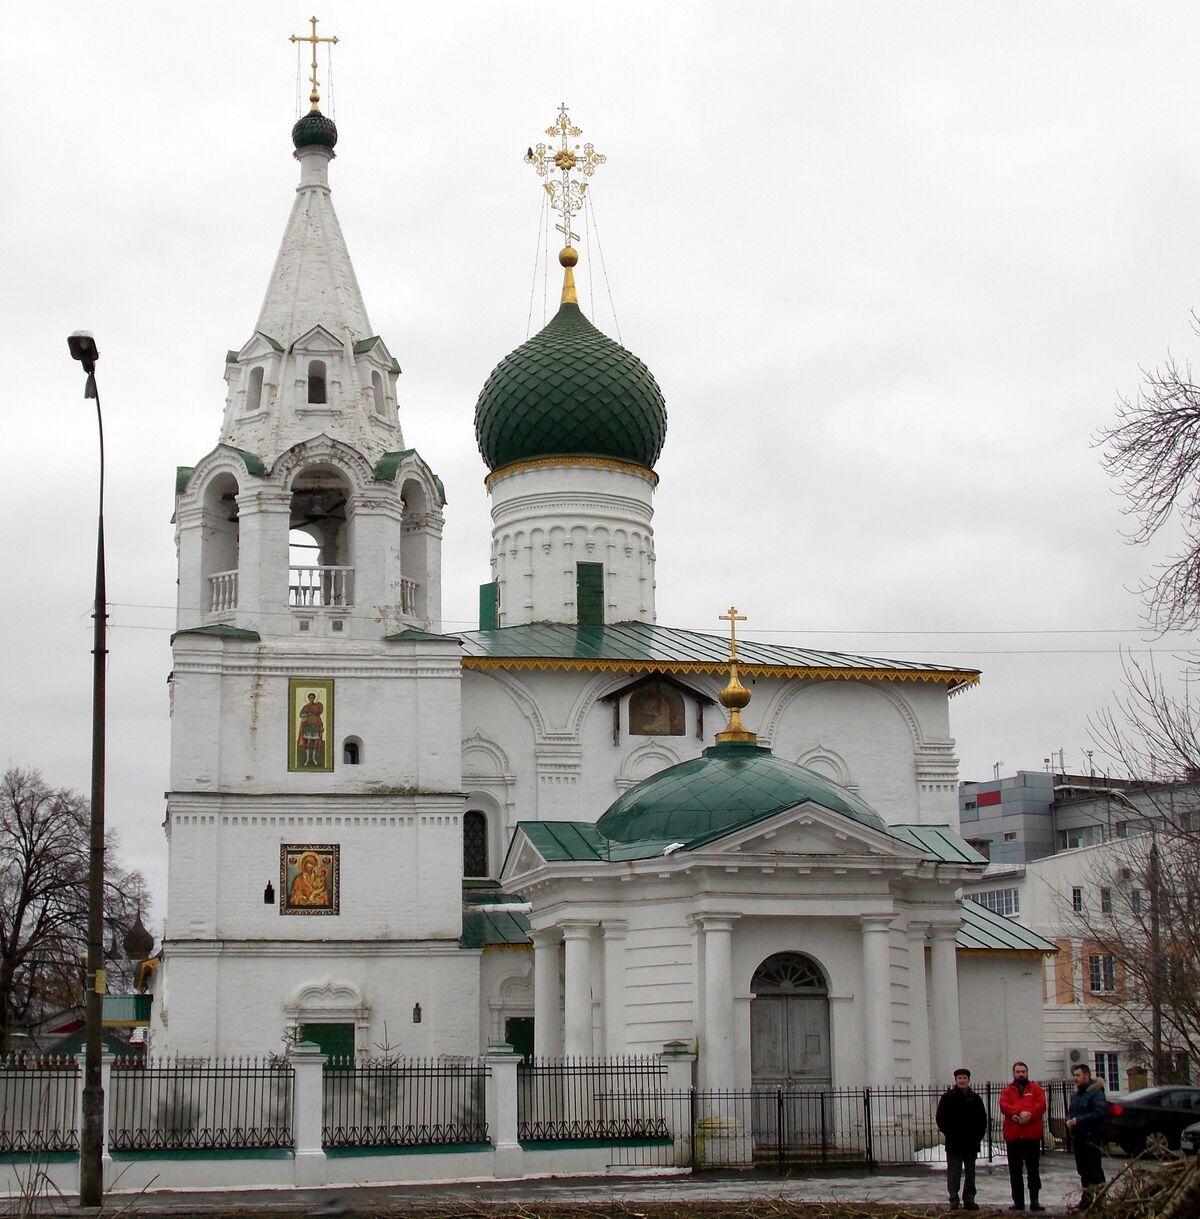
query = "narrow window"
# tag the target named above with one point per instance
(377, 391)
(475, 845)
(589, 593)
(1135, 901)
(1102, 968)
(1106, 901)
(1108, 1070)
(1077, 900)
(350, 751)
(254, 389)
(316, 382)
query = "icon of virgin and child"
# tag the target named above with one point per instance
(311, 879)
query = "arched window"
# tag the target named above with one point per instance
(789, 973)
(316, 382)
(475, 843)
(219, 544)
(320, 540)
(351, 751)
(377, 391)
(254, 389)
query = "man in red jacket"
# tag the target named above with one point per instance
(1023, 1104)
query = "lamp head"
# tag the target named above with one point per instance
(82, 346)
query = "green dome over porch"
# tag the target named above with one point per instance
(570, 391)
(733, 783)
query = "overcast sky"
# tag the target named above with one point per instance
(890, 263)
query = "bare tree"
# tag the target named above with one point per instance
(1140, 928)
(1150, 733)
(43, 901)
(1153, 451)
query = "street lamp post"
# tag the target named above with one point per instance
(91, 1173)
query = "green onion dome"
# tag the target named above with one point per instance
(314, 128)
(733, 783)
(570, 391)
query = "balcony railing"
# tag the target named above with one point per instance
(223, 586)
(320, 587)
(408, 596)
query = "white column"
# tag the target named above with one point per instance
(501, 1110)
(577, 937)
(918, 1004)
(308, 1064)
(880, 1058)
(547, 994)
(943, 1008)
(614, 987)
(717, 1050)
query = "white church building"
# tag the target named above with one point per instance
(571, 828)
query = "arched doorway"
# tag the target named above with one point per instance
(789, 1050)
(789, 1024)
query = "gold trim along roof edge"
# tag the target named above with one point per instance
(565, 461)
(957, 679)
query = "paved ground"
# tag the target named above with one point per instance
(893, 1187)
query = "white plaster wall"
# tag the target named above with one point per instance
(1000, 1006)
(401, 869)
(547, 518)
(236, 1002)
(230, 715)
(557, 739)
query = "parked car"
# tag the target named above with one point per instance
(1151, 1118)
(1189, 1140)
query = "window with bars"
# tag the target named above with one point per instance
(475, 843)
(1102, 973)
(999, 901)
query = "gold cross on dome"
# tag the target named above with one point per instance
(566, 196)
(315, 95)
(733, 618)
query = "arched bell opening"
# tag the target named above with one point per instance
(415, 543)
(254, 389)
(320, 550)
(789, 1047)
(219, 545)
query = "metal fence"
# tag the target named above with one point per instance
(569, 1099)
(786, 1127)
(39, 1104)
(194, 1104)
(406, 1102)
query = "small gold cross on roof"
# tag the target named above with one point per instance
(565, 196)
(733, 618)
(315, 95)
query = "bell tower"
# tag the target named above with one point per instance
(315, 811)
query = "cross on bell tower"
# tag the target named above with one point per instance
(315, 95)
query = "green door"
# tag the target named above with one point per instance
(336, 1041)
(589, 593)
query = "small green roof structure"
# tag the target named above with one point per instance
(731, 784)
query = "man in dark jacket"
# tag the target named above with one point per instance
(1087, 1112)
(1023, 1104)
(963, 1121)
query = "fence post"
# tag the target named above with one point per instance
(679, 1061)
(988, 1091)
(869, 1131)
(308, 1107)
(508, 1160)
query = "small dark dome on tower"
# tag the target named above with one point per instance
(139, 943)
(314, 128)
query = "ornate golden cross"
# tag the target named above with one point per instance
(315, 95)
(733, 618)
(565, 196)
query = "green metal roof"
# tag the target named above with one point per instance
(414, 636)
(981, 929)
(937, 842)
(570, 391)
(730, 785)
(632, 647)
(486, 928)
(221, 632)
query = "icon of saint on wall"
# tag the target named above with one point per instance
(309, 880)
(310, 702)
